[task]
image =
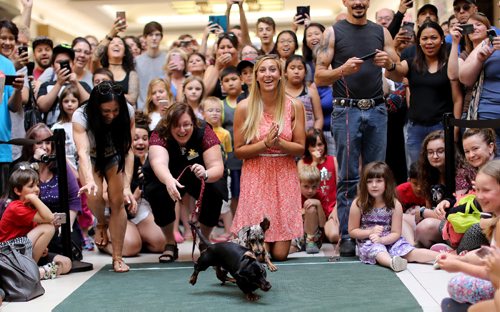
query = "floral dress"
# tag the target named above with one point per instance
(270, 188)
(367, 249)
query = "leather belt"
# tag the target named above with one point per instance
(363, 104)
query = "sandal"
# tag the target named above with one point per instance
(119, 266)
(170, 254)
(101, 239)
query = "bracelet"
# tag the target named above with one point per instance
(205, 178)
(393, 67)
(108, 37)
(422, 209)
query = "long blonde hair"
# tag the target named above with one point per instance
(255, 108)
(150, 106)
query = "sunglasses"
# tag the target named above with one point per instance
(267, 56)
(107, 87)
(465, 7)
(229, 35)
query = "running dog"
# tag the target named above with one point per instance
(252, 237)
(240, 262)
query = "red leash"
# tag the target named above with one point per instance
(197, 209)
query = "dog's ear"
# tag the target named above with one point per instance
(250, 254)
(265, 224)
(246, 230)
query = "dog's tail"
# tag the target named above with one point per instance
(204, 242)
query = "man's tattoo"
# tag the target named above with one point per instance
(323, 47)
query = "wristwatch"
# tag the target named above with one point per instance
(422, 209)
(206, 176)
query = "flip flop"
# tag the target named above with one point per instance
(170, 254)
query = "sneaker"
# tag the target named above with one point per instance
(347, 247)
(311, 248)
(50, 271)
(398, 264)
(440, 247)
(88, 243)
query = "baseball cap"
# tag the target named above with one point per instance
(63, 48)
(245, 63)
(428, 6)
(470, 1)
(42, 40)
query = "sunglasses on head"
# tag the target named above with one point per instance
(230, 35)
(107, 87)
(465, 7)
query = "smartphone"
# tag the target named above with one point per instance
(65, 64)
(121, 15)
(9, 79)
(302, 11)
(491, 33)
(177, 60)
(467, 29)
(22, 49)
(368, 56)
(60, 218)
(30, 66)
(409, 3)
(220, 20)
(409, 27)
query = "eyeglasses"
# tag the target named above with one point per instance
(439, 152)
(465, 7)
(229, 35)
(107, 87)
(184, 126)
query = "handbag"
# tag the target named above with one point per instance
(19, 274)
(32, 115)
(462, 221)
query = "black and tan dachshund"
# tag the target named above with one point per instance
(229, 257)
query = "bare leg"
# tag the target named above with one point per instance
(118, 217)
(384, 259)
(311, 220)
(40, 237)
(427, 232)
(279, 250)
(151, 234)
(332, 230)
(64, 264)
(132, 243)
(96, 205)
(408, 228)
(421, 255)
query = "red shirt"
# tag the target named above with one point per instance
(407, 197)
(328, 184)
(17, 221)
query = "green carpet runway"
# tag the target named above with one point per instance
(300, 284)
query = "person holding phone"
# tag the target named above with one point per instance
(240, 31)
(12, 95)
(480, 70)
(48, 95)
(463, 10)
(359, 117)
(175, 69)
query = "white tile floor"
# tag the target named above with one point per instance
(426, 284)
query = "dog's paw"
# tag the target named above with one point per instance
(193, 279)
(252, 297)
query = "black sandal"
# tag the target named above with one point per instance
(170, 254)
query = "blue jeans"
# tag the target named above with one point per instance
(357, 133)
(414, 136)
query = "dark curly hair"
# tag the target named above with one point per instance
(128, 59)
(119, 129)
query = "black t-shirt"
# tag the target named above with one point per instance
(358, 40)
(430, 95)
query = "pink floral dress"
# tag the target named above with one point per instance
(270, 188)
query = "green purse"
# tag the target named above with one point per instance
(462, 221)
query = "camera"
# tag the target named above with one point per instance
(467, 29)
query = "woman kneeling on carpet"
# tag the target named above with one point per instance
(181, 140)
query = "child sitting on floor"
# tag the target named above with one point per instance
(312, 211)
(27, 220)
(375, 220)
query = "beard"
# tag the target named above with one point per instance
(359, 7)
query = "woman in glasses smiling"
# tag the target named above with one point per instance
(103, 130)
(182, 141)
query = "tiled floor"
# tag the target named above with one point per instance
(426, 284)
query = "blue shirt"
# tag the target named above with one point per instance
(7, 68)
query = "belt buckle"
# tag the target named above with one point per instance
(365, 104)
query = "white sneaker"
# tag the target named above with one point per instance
(398, 264)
